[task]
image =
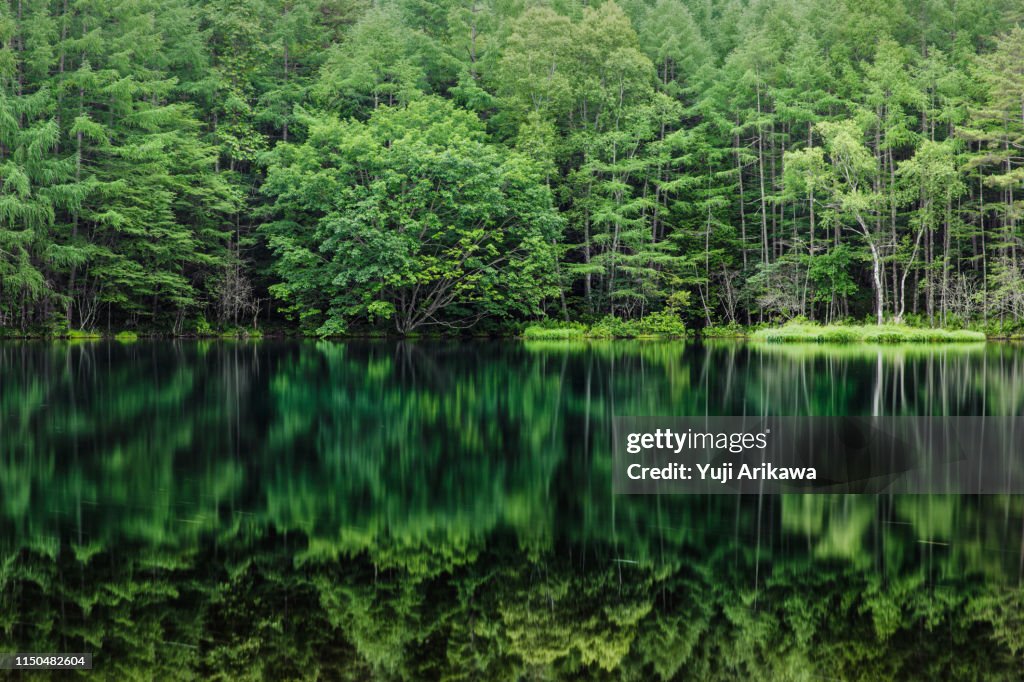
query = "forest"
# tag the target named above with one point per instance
(186, 167)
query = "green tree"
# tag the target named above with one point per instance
(418, 221)
(852, 200)
(381, 64)
(997, 126)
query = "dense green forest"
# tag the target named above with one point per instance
(185, 166)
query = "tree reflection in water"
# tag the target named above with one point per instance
(411, 510)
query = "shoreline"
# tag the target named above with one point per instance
(851, 335)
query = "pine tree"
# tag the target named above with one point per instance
(998, 129)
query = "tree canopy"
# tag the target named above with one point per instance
(412, 165)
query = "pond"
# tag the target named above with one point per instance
(427, 510)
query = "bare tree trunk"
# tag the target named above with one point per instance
(876, 271)
(945, 264)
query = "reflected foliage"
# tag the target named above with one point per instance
(444, 511)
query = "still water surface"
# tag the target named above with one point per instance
(400, 510)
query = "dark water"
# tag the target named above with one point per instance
(444, 511)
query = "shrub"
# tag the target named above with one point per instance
(203, 327)
(661, 324)
(725, 331)
(1003, 330)
(609, 327)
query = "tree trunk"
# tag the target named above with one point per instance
(876, 271)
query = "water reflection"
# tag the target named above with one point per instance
(444, 510)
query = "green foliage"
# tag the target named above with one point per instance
(1006, 329)
(663, 324)
(347, 167)
(202, 327)
(420, 222)
(724, 331)
(381, 64)
(240, 333)
(563, 331)
(888, 333)
(78, 334)
(830, 273)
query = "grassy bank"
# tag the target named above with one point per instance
(124, 336)
(665, 324)
(886, 333)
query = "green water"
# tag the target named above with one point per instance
(404, 510)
